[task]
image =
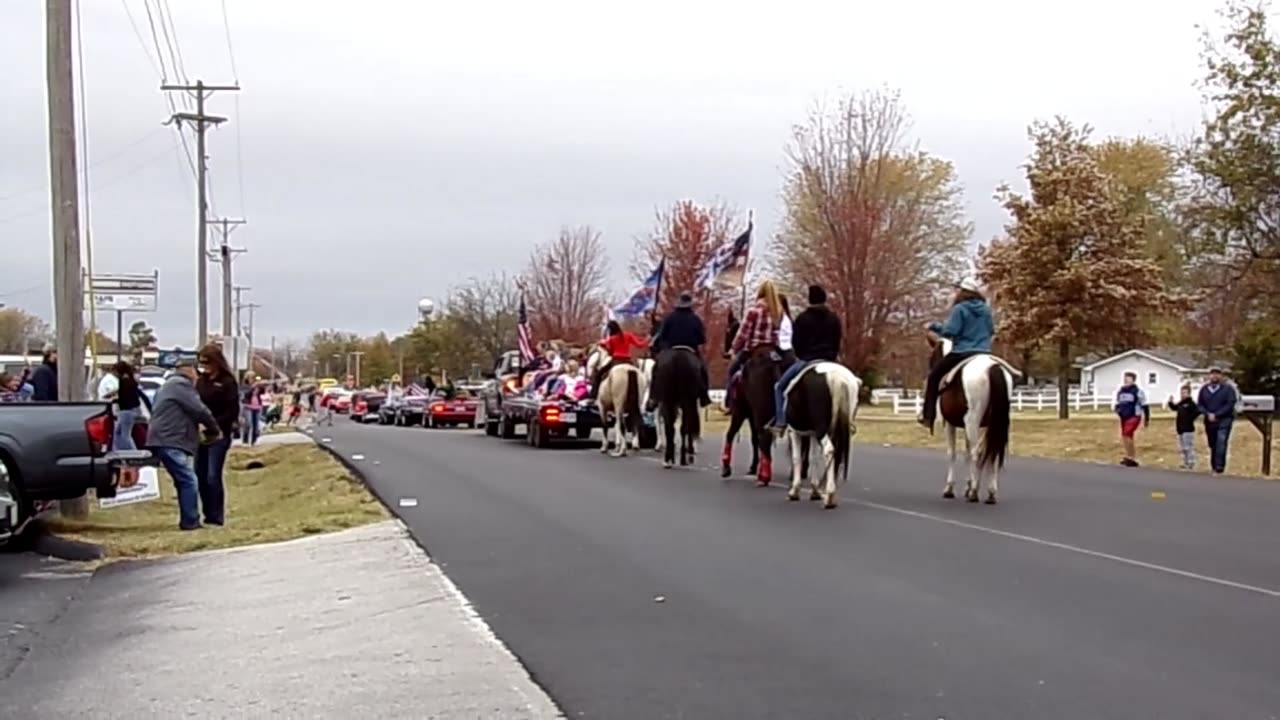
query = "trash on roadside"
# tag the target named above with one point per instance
(408, 502)
(357, 456)
(659, 598)
(326, 440)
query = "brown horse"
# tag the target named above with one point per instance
(755, 402)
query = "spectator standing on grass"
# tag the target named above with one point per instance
(174, 437)
(252, 410)
(129, 400)
(1217, 402)
(44, 379)
(1131, 405)
(221, 394)
(1187, 413)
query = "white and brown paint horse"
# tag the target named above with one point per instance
(974, 397)
(618, 398)
(822, 404)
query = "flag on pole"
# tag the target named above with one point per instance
(727, 266)
(645, 299)
(523, 335)
(604, 321)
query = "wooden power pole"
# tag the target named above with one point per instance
(225, 255)
(201, 122)
(68, 297)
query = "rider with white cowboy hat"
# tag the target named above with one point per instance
(970, 328)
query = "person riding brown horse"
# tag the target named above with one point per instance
(681, 328)
(756, 345)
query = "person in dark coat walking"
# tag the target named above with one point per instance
(221, 394)
(817, 334)
(174, 437)
(44, 380)
(681, 328)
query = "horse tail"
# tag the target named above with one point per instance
(631, 404)
(997, 440)
(844, 405)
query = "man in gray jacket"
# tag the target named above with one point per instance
(174, 435)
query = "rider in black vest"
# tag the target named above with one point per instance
(817, 336)
(681, 328)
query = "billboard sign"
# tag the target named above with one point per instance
(122, 292)
(168, 359)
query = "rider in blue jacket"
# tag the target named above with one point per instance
(970, 328)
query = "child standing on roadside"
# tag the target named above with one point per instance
(1187, 411)
(1131, 406)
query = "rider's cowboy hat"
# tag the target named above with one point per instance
(969, 284)
(685, 301)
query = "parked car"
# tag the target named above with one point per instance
(52, 451)
(406, 408)
(365, 405)
(339, 398)
(442, 411)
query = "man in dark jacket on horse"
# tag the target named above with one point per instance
(816, 337)
(681, 328)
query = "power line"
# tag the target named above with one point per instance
(138, 34)
(226, 25)
(97, 163)
(235, 74)
(166, 14)
(84, 179)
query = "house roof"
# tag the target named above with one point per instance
(1178, 358)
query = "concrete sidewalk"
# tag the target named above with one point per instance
(355, 624)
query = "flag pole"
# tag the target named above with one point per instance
(746, 267)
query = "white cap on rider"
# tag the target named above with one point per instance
(970, 284)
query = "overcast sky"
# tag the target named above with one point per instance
(392, 148)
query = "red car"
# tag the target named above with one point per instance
(459, 411)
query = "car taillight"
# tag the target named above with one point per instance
(437, 408)
(551, 414)
(99, 429)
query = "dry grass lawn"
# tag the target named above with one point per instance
(1090, 437)
(301, 490)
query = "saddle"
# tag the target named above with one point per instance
(955, 371)
(811, 365)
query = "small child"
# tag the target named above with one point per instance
(1131, 406)
(1187, 411)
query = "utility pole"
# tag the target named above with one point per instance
(357, 354)
(225, 255)
(201, 122)
(249, 333)
(235, 336)
(273, 358)
(68, 298)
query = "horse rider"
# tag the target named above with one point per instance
(759, 327)
(681, 328)
(970, 328)
(817, 337)
(618, 343)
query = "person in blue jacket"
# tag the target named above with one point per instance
(1217, 402)
(970, 328)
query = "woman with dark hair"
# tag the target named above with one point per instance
(129, 400)
(618, 343)
(221, 394)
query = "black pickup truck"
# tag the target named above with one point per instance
(52, 451)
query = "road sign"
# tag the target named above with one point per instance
(122, 292)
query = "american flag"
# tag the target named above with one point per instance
(728, 264)
(523, 334)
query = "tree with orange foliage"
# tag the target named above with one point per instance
(565, 286)
(687, 235)
(880, 224)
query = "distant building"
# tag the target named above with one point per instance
(1161, 373)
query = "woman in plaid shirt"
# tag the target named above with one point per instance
(759, 327)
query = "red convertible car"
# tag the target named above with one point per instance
(459, 411)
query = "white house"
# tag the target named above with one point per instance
(1161, 373)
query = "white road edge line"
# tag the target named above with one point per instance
(1223, 582)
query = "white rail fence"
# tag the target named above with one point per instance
(1022, 401)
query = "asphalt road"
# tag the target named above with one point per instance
(1079, 596)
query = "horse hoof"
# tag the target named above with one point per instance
(793, 497)
(815, 495)
(949, 494)
(971, 498)
(666, 464)
(829, 505)
(991, 499)
(726, 470)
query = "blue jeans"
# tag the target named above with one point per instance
(779, 388)
(251, 427)
(210, 461)
(1219, 436)
(123, 438)
(181, 467)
